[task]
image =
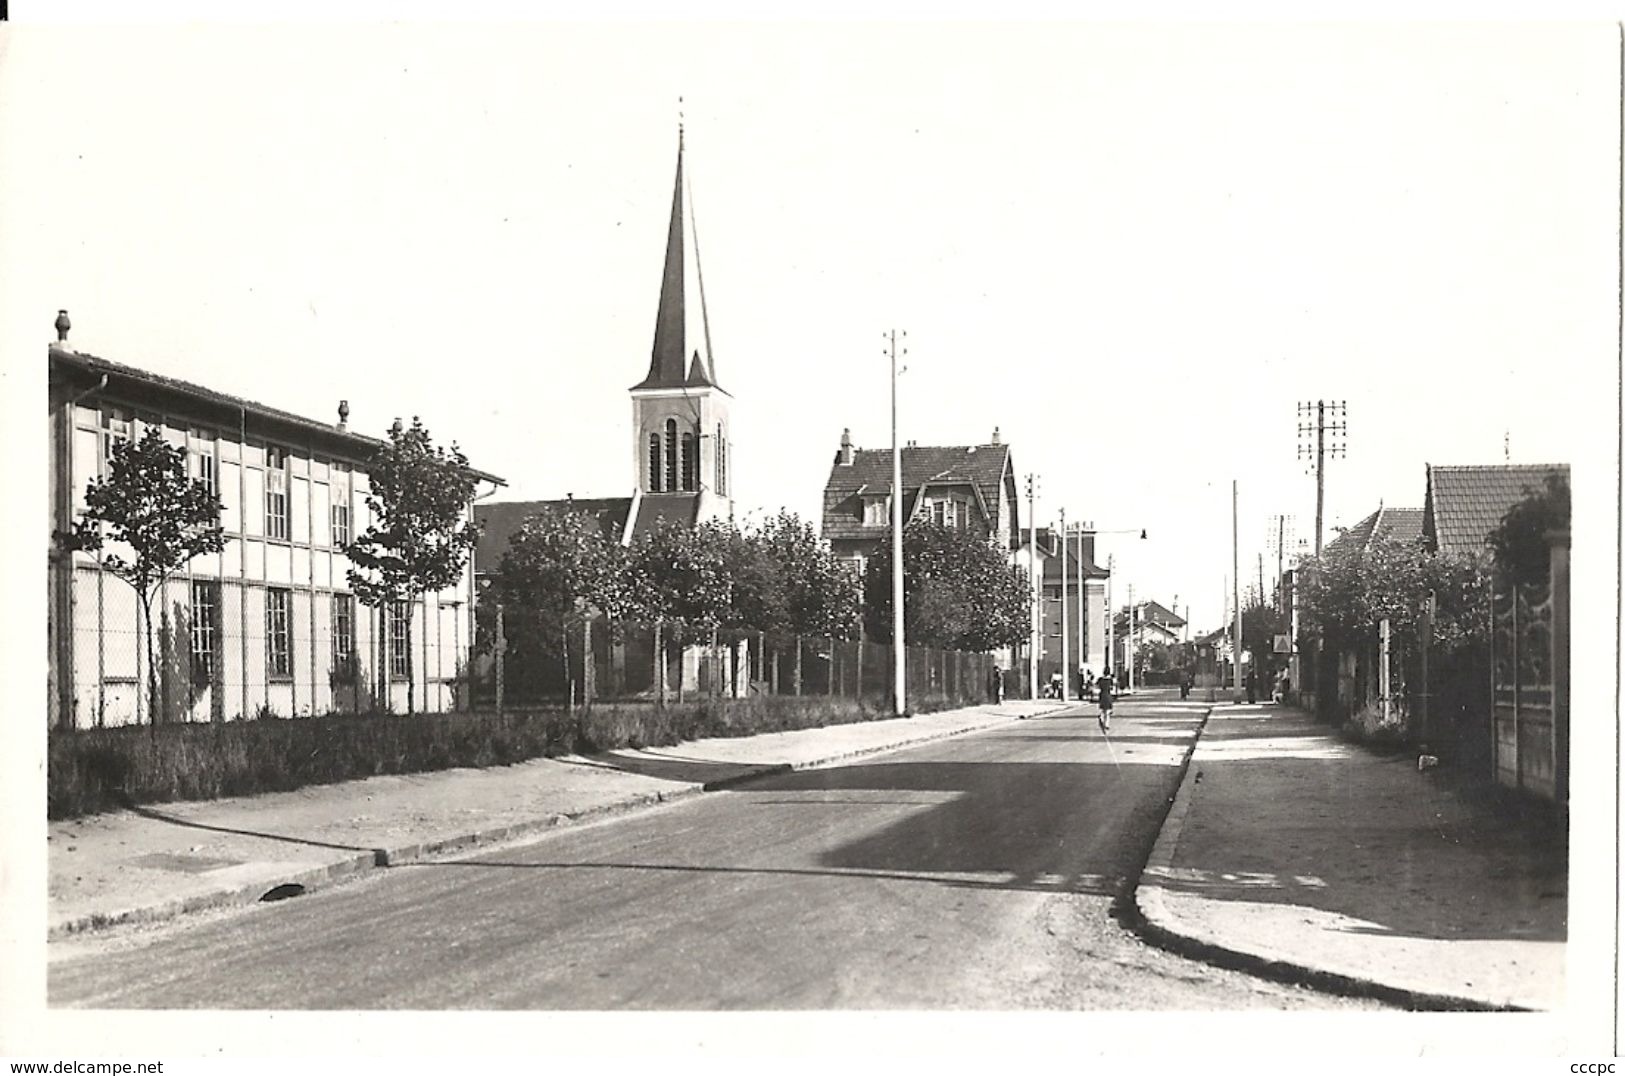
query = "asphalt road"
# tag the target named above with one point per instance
(985, 872)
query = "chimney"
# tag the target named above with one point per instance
(846, 448)
(995, 440)
(344, 415)
(62, 327)
(1088, 541)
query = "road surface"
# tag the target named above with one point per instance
(987, 871)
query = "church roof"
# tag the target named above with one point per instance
(681, 356)
(500, 520)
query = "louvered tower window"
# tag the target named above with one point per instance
(691, 463)
(671, 454)
(654, 463)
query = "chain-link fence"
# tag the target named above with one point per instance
(582, 660)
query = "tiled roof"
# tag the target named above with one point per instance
(683, 508)
(360, 446)
(1465, 503)
(983, 466)
(1383, 525)
(500, 520)
(1398, 525)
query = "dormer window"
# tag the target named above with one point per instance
(876, 511)
(951, 512)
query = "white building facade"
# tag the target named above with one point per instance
(269, 625)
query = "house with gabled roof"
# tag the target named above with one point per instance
(1466, 502)
(967, 486)
(681, 453)
(1384, 525)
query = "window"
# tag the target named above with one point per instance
(202, 457)
(654, 463)
(875, 511)
(341, 525)
(399, 658)
(716, 448)
(722, 457)
(691, 463)
(205, 621)
(278, 640)
(116, 426)
(950, 512)
(343, 634)
(671, 454)
(276, 492)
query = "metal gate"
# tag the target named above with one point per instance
(1529, 685)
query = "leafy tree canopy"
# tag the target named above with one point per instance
(421, 535)
(149, 505)
(1345, 599)
(1520, 543)
(959, 591)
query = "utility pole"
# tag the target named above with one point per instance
(1235, 555)
(1037, 584)
(1261, 599)
(1083, 624)
(1128, 651)
(899, 642)
(1111, 617)
(1066, 664)
(1338, 427)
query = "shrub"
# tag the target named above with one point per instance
(94, 770)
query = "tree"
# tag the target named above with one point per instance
(959, 592)
(421, 536)
(148, 504)
(792, 582)
(686, 573)
(1345, 599)
(1519, 542)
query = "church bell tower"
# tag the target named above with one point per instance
(681, 446)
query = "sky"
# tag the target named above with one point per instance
(1133, 248)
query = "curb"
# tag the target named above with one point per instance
(378, 858)
(1164, 928)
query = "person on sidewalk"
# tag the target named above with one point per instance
(1104, 686)
(1252, 687)
(995, 684)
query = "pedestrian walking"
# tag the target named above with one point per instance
(995, 684)
(1104, 686)
(1252, 687)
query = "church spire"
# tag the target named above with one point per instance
(681, 356)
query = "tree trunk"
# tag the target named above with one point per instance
(145, 607)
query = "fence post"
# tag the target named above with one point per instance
(857, 681)
(501, 653)
(588, 672)
(659, 659)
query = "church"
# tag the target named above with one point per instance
(680, 435)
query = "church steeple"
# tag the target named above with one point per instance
(681, 356)
(681, 446)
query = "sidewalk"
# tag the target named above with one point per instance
(151, 863)
(1288, 846)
